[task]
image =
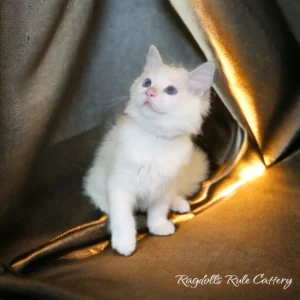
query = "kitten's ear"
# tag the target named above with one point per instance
(153, 58)
(201, 79)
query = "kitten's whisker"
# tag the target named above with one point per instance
(115, 99)
(114, 104)
(117, 102)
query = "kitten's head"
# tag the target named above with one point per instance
(170, 101)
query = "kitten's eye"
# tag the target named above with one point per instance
(171, 90)
(146, 83)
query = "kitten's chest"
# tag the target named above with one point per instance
(155, 157)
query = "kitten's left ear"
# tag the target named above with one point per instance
(201, 79)
(153, 58)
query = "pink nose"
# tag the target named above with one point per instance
(151, 92)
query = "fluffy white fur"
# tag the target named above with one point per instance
(147, 160)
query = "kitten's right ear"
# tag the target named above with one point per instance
(153, 60)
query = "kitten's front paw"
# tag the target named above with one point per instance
(124, 244)
(181, 205)
(163, 228)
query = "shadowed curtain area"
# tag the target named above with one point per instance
(64, 66)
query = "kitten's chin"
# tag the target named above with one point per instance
(148, 110)
(142, 111)
(151, 123)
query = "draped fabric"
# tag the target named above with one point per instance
(64, 66)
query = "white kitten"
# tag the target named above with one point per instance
(147, 160)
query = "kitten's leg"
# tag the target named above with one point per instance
(157, 219)
(122, 223)
(189, 179)
(180, 204)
